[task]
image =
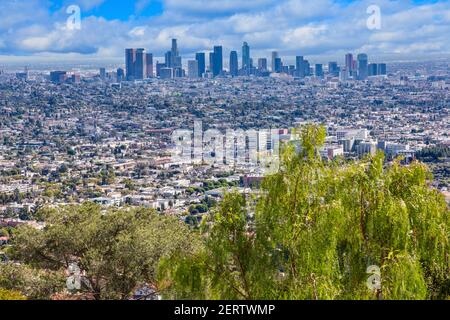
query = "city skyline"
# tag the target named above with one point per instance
(138, 68)
(320, 30)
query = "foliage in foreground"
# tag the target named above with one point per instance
(311, 233)
(10, 295)
(31, 283)
(117, 251)
(315, 230)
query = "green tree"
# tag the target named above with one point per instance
(117, 251)
(29, 282)
(10, 295)
(316, 229)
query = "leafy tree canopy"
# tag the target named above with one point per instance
(316, 227)
(117, 250)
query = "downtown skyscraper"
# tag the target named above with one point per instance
(136, 65)
(349, 65)
(130, 59)
(262, 64)
(193, 69)
(140, 66)
(234, 67)
(200, 57)
(246, 63)
(362, 66)
(274, 57)
(217, 66)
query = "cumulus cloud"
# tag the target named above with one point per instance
(320, 27)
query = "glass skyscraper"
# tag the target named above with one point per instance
(373, 69)
(274, 56)
(318, 70)
(262, 64)
(130, 59)
(217, 61)
(349, 64)
(245, 56)
(300, 66)
(333, 68)
(362, 66)
(200, 57)
(381, 70)
(140, 66)
(234, 68)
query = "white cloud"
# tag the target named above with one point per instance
(319, 27)
(137, 31)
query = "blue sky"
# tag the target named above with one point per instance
(317, 28)
(117, 9)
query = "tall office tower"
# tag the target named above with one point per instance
(130, 59)
(274, 56)
(120, 75)
(149, 62)
(211, 62)
(174, 48)
(246, 56)
(382, 70)
(333, 68)
(234, 68)
(159, 66)
(175, 60)
(175, 55)
(349, 63)
(200, 57)
(218, 61)
(300, 66)
(193, 69)
(140, 65)
(262, 64)
(307, 68)
(102, 73)
(362, 66)
(168, 59)
(318, 70)
(373, 69)
(343, 74)
(278, 66)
